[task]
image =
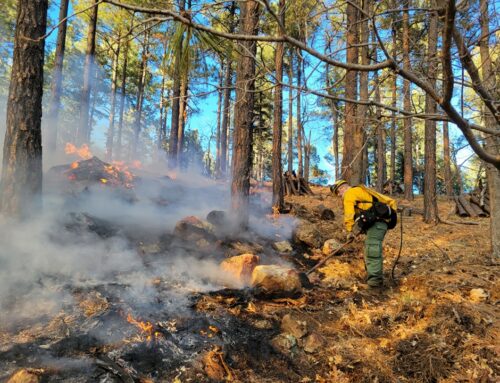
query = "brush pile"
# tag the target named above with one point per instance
(295, 185)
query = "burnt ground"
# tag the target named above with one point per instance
(437, 322)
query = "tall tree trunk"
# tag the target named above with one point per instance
(290, 114)
(352, 154)
(57, 77)
(381, 138)
(335, 112)
(123, 91)
(143, 71)
(448, 183)
(182, 117)
(219, 122)
(394, 101)
(243, 119)
(21, 185)
(114, 80)
(83, 128)
(430, 198)
(228, 83)
(307, 157)
(278, 199)
(408, 157)
(492, 143)
(362, 111)
(300, 167)
(176, 94)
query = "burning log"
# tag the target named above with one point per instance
(94, 170)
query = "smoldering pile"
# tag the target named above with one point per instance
(110, 283)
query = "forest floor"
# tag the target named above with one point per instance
(437, 322)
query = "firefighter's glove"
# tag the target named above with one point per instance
(356, 229)
(350, 237)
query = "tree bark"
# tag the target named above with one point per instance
(219, 118)
(394, 104)
(300, 167)
(243, 119)
(82, 135)
(277, 167)
(492, 143)
(227, 100)
(182, 112)
(381, 138)
(430, 198)
(362, 122)
(176, 94)
(21, 185)
(114, 80)
(55, 101)
(448, 183)
(123, 91)
(407, 122)
(143, 71)
(352, 154)
(290, 114)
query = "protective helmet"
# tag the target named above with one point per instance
(335, 187)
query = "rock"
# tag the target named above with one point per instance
(478, 295)
(217, 218)
(284, 343)
(313, 342)
(291, 324)
(240, 267)
(262, 324)
(26, 375)
(283, 247)
(276, 280)
(238, 248)
(324, 213)
(193, 229)
(308, 234)
(330, 246)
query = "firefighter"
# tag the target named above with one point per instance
(359, 203)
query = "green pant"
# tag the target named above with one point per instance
(373, 253)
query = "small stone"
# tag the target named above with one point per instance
(330, 246)
(217, 218)
(284, 343)
(263, 324)
(308, 234)
(241, 266)
(313, 342)
(26, 375)
(478, 295)
(193, 229)
(291, 324)
(283, 247)
(276, 280)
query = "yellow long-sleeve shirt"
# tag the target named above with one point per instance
(361, 197)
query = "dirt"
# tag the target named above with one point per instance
(423, 327)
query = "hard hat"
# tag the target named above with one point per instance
(335, 187)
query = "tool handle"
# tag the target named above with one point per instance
(323, 261)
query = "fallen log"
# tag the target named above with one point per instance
(460, 209)
(466, 205)
(479, 211)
